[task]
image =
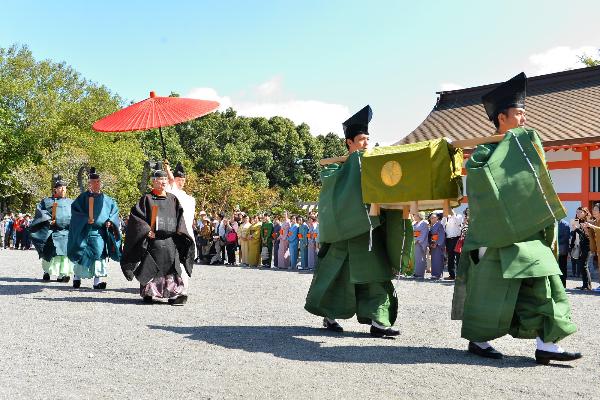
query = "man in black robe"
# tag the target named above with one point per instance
(156, 242)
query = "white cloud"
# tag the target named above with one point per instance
(210, 94)
(322, 117)
(271, 87)
(447, 86)
(559, 58)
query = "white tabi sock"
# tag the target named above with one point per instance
(551, 347)
(376, 325)
(331, 321)
(483, 345)
(96, 280)
(76, 278)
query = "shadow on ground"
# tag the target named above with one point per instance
(289, 342)
(98, 299)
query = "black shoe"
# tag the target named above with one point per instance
(178, 301)
(66, 279)
(148, 299)
(332, 326)
(100, 286)
(490, 352)
(76, 283)
(378, 332)
(46, 277)
(544, 357)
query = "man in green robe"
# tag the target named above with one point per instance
(266, 238)
(353, 273)
(508, 279)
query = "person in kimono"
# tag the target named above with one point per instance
(437, 245)
(245, 240)
(421, 235)
(176, 184)
(354, 273)
(284, 244)
(508, 279)
(275, 236)
(158, 244)
(266, 238)
(293, 242)
(50, 232)
(254, 248)
(313, 243)
(94, 234)
(303, 242)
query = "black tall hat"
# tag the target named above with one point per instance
(58, 181)
(158, 171)
(358, 123)
(93, 174)
(179, 171)
(509, 94)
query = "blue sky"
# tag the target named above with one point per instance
(312, 61)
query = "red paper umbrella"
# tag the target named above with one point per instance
(155, 112)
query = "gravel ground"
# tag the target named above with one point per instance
(244, 334)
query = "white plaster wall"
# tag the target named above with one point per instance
(563, 155)
(595, 154)
(566, 180)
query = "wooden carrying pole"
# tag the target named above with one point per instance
(460, 144)
(406, 212)
(470, 143)
(333, 160)
(447, 207)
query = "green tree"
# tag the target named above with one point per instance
(46, 113)
(333, 145)
(589, 61)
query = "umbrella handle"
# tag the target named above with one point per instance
(162, 142)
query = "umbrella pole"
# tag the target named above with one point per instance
(162, 142)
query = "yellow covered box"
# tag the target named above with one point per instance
(428, 172)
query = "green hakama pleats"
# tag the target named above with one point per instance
(96, 269)
(334, 296)
(349, 280)
(58, 266)
(522, 307)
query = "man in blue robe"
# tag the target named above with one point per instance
(94, 234)
(50, 232)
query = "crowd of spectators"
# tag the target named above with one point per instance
(438, 243)
(258, 241)
(14, 232)
(580, 241)
(291, 242)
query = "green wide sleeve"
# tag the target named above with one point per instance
(511, 196)
(342, 212)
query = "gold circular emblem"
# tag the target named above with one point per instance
(391, 173)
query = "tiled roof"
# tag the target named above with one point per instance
(563, 107)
